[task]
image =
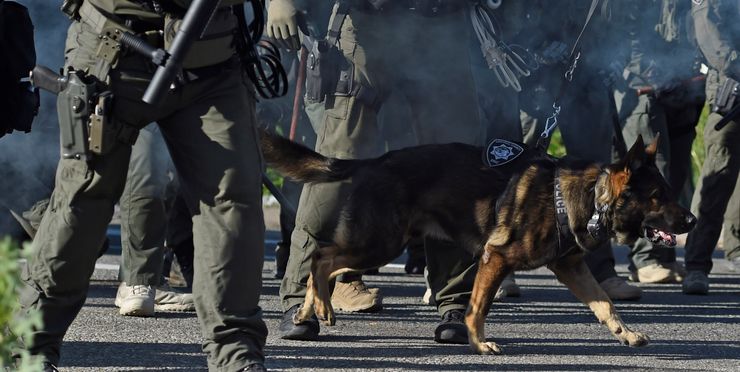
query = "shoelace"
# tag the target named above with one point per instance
(453, 315)
(359, 286)
(140, 290)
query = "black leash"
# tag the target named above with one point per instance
(260, 58)
(575, 54)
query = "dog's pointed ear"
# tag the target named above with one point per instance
(635, 156)
(652, 149)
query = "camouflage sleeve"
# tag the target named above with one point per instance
(714, 36)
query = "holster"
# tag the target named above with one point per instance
(84, 112)
(727, 96)
(328, 72)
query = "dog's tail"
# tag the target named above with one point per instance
(302, 164)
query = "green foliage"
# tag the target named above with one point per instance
(14, 327)
(556, 148)
(275, 177)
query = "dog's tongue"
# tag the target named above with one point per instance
(667, 238)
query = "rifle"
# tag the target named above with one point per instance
(169, 62)
(650, 89)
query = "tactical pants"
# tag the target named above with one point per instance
(648, 117)
(142, 213)
(208, 126)
(716, 192)
(584, 123)
(419, 58)
(731, 226)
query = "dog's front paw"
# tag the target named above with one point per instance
(328, 319)
(633, 339)
(303, 314)
(486, 348)
(325, 314)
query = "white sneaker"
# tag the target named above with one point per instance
(135, 300)
(167, 299)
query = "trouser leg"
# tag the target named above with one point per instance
(319, 205)
(214, 146)
(731, 237)
(292, 192)
(67, 243)
(601, 262)
(451, 274)
(648, 119)
(180, 236)
(718, 176)
(143, 216)
(451, 268)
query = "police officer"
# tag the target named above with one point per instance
(143, 225)
(585, 120)
(407, 47)
(665, 96)
(208, 124)
(717, 26)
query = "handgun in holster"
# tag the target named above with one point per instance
(84, 110)
(727, 96)
(323, 68)
(330, 73)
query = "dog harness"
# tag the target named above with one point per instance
(566, 239)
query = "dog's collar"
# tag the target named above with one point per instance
(596, 226)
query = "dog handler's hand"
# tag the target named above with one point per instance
(282, 24)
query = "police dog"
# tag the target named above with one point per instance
(520, 215)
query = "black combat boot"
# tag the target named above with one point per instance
(452, 329)
(306, 331)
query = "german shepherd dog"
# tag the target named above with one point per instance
(506, 215)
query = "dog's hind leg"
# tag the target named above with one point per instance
(573, 272)
(491, 272)
(326, 265)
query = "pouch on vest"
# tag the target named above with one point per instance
(215, 46)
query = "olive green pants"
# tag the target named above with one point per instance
(208, 126)
(422, 59)
(142, 210)
(649, 118)
(717, 192)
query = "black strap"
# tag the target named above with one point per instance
(566, 239)
(335, 27)
(263, 68)
(575, 54)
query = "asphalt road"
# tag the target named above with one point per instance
(546, 329)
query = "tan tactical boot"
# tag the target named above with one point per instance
(658, 273)
(166, 299)
(618, 289)
(356, 297)
(135, 300)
